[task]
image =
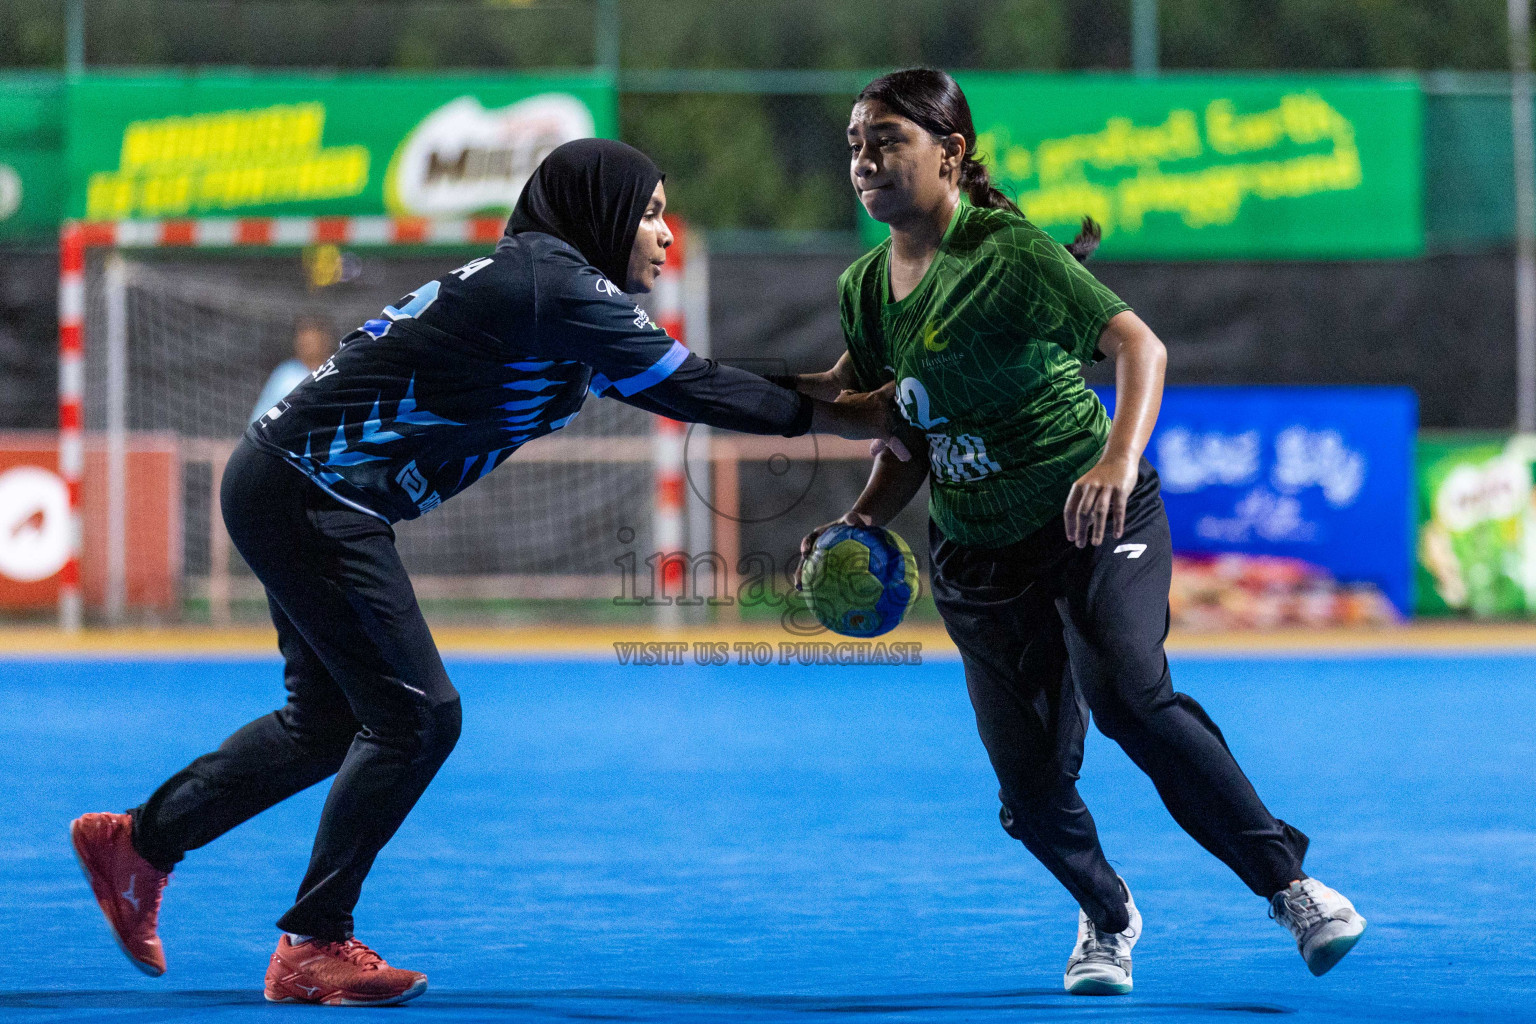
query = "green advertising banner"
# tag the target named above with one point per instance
(31, 155)
(31, 192)
(1476, 550)
(241, 145)
(1209, 167)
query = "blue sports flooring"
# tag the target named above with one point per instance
(794, 844)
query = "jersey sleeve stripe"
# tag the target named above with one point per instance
(657, 372)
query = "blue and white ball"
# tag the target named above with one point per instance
(859, 580)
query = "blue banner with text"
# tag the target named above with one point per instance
(1322, 474)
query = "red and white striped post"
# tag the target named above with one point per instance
(276, 232)
(270, 232)
(71, 409)
(670, 496)
(196, 233)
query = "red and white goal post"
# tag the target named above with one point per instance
(148, 351)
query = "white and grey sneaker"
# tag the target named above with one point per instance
(1101, 961)
(1325, 924)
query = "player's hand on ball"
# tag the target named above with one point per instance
(809, 541)
(1096, 503)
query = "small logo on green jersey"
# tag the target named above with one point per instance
(931, 340)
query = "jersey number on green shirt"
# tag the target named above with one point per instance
(954, 459)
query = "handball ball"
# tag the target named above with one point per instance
(859, 580)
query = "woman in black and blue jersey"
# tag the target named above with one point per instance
(416, 405)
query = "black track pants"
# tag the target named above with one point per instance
(368, 698)
(1049, 632)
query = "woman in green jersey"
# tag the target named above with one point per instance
(1049, 542)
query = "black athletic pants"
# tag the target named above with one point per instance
(1048, 632)
(368, 699)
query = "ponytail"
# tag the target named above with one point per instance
(977, 185)
(1087, 240)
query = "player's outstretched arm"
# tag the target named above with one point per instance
(867, 416)
(836, 388)
(704, 391)
(826, 385)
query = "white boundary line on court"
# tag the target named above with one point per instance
(1346, 653)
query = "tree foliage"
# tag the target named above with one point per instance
(748, 160)
(1423, 35)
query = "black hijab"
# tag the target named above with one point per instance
(590, 193)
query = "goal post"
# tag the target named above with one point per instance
(164, 333)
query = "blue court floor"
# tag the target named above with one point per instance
(763, 844)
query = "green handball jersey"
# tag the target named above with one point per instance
(987, 353)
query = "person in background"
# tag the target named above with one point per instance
(314, 341)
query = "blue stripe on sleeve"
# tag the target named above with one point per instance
(598, 385)
(657, 372)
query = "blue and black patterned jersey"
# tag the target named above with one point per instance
(442, 387)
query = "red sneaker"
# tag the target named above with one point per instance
(337, 974)
(127, 886)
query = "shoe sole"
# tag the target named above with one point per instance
(1326, 957)
(105, 904)
(1098, 987)
(404, 997)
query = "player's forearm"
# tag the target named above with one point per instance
(891, 487)
(840, 418)
(1140, 362)
(826, 385)
(816, 385)
(704, 391)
